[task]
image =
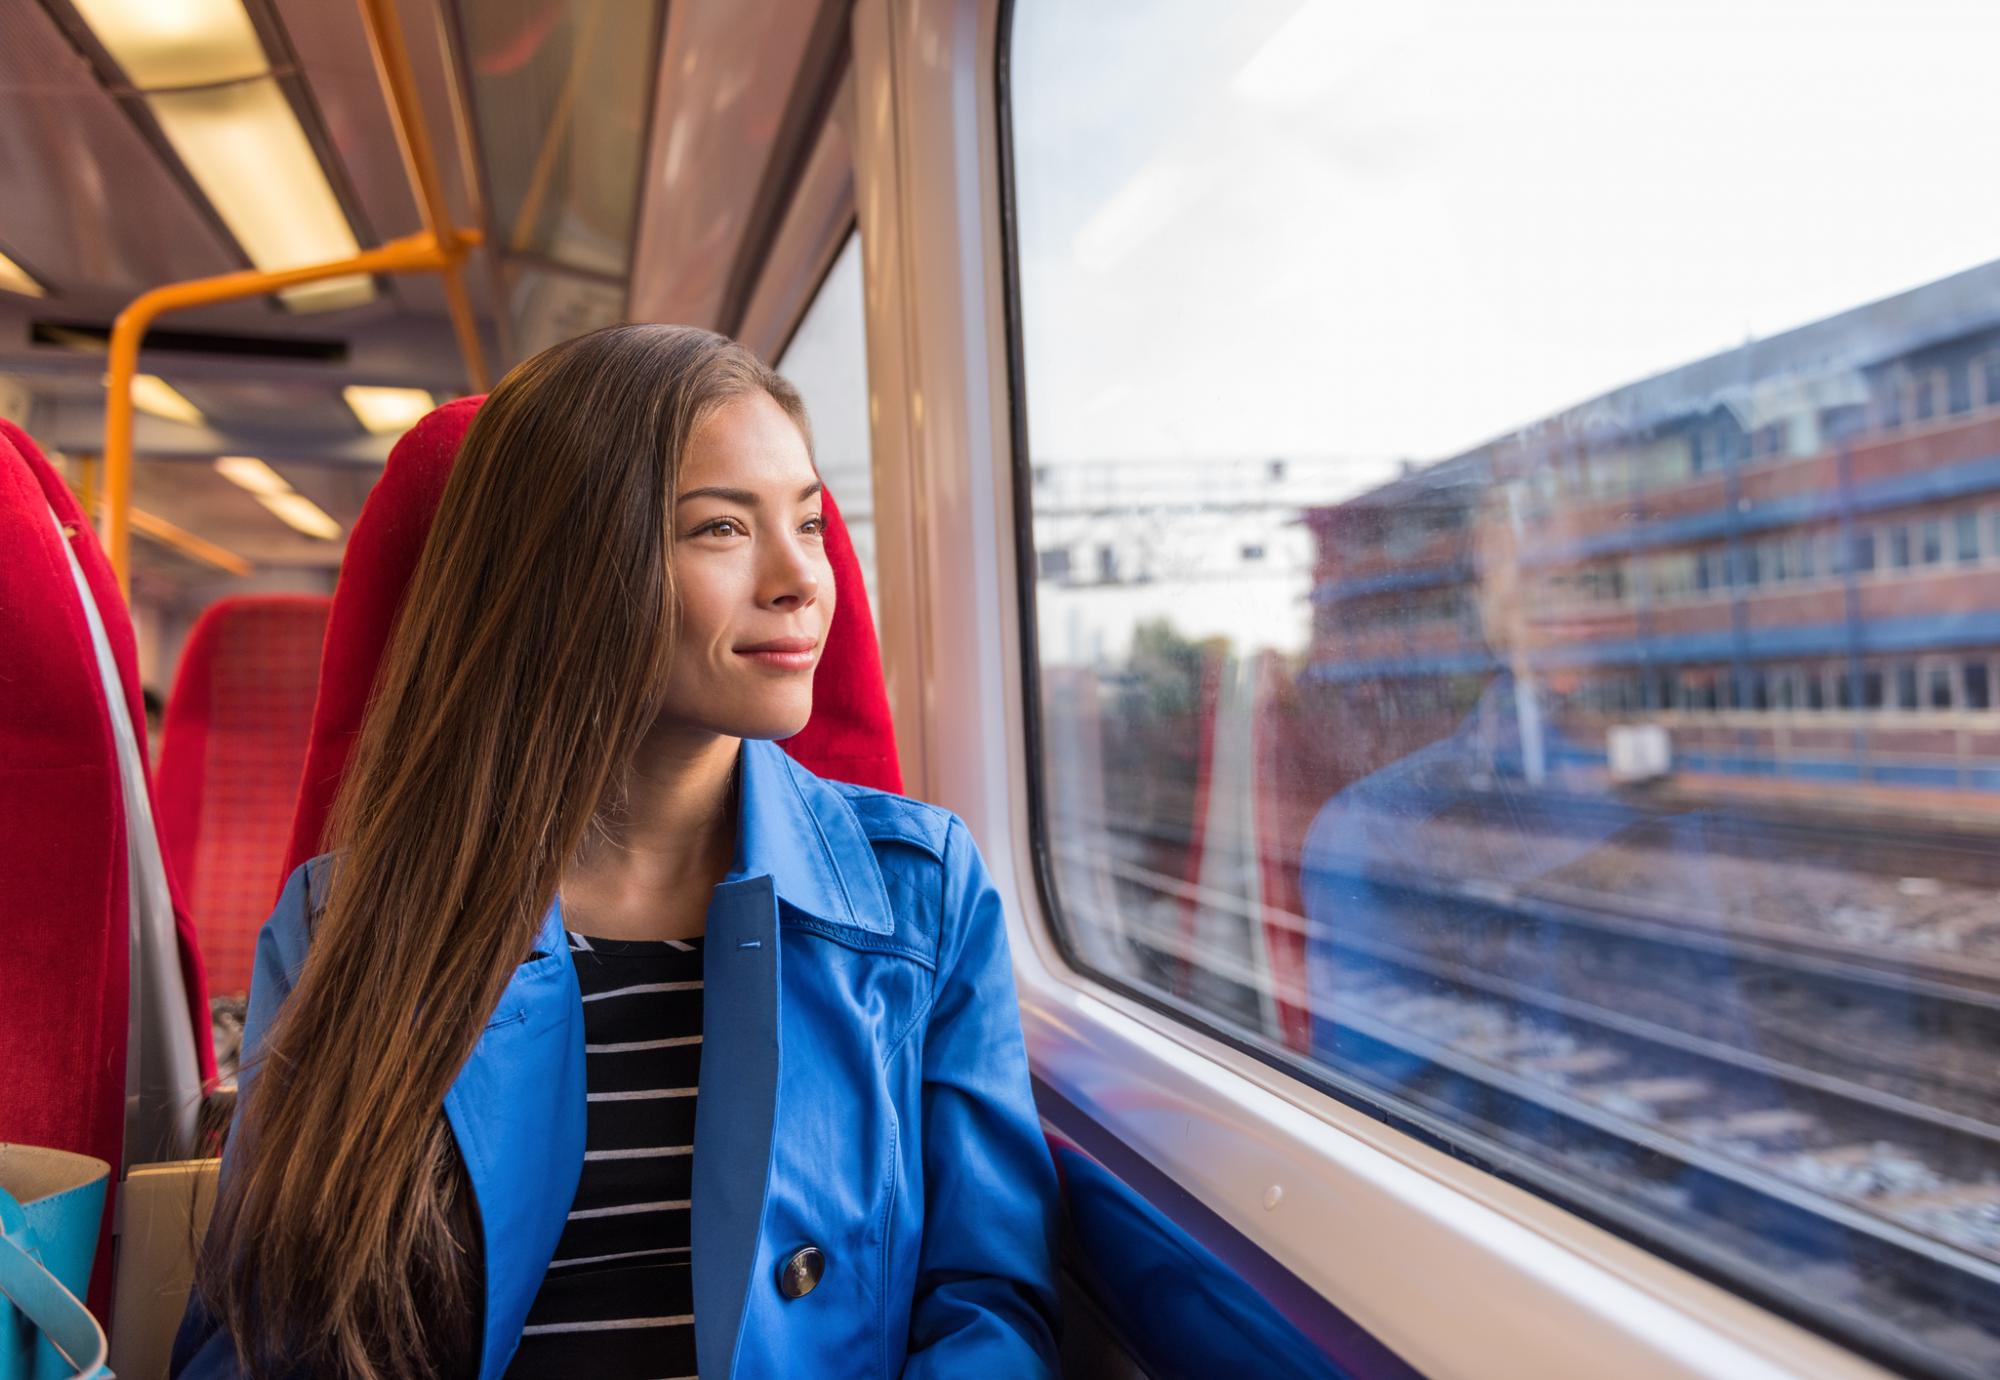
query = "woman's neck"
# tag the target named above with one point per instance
(650, 865)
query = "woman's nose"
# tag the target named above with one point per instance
(793, 580)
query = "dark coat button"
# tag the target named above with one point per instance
(799, 1275)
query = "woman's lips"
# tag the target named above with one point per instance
(783, 654)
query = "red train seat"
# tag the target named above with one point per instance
(232, 751)
(850, 737)
(72, 859)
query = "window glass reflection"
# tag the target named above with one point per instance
(559, 96)
(1596, 760)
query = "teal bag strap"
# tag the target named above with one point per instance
(41, 1298)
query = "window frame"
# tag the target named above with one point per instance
(811, 231)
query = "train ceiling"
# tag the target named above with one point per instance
(619, 156)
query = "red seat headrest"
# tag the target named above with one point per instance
(850, 737)
(232, 750)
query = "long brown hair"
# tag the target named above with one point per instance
(526, 662)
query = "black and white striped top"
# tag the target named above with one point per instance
(617, 1302)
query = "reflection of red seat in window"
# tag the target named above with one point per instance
(65, 887)
(231, 753)
(850, 737)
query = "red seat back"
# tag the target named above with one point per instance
(232, 751)
(850, 737)
(64, 882)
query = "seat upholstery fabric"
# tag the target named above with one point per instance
(850, 737)
(232, 751)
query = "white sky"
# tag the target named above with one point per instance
(1385, 229)
(827, 361)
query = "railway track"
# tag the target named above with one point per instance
(1971, 979)
(1889, 846)
(1899, 1161)
(1397, 975)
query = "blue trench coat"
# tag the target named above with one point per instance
(864, 1090)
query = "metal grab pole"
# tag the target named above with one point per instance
(406, 112)
(420, 253)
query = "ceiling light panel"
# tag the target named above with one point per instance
(248, 472)
(165, 43)
(156, 397)
(247, 153)
(14, 278)
(384, 410)
(301, 513)
(205, 77)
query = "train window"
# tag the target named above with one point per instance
(827, 360)
(1727, 980)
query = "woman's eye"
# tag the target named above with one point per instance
(816, 525)
(723, 527)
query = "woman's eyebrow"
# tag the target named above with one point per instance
(744, 496)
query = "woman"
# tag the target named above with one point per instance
(576, 882)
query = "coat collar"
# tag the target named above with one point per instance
(801, 833)
(517, 1107)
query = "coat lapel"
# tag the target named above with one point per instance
(735, 1115)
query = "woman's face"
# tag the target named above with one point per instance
(756, 591)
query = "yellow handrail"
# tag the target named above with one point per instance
(440, 248)
(406, 110)
(187, 543)
(419, 253)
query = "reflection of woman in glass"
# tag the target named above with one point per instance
(576, 881)
(1438, 856)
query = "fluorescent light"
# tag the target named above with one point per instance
(247, 153)
(248, 472)
(302, 513)
(154, 395)
(329, 294)
(388, 409)
(14, 278)
(271, 490)
(207, 80)
(178, 43)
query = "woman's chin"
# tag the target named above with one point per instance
(776, 722)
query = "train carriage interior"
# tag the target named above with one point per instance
(1448, 555)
